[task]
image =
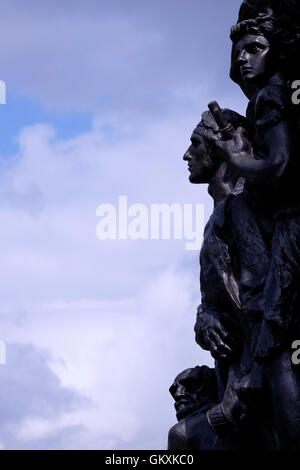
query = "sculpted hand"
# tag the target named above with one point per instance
(216, 333)
(233, 150)
(230, 414)
(234, 410)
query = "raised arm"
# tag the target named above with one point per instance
(238, 153)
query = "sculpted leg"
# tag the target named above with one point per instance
(284, 386)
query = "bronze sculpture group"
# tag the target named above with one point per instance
(250, 260)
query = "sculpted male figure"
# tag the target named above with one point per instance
(194, 390)
(216, 326)
(219, 328)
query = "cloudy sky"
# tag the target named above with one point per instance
(102, 96)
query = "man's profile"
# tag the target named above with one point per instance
(195, 391)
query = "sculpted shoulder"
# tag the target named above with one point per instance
(192, 433)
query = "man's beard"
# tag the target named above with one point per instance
(186, 410)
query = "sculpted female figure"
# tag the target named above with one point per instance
(269, 291)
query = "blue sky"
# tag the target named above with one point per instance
(19, 112)
(101, 100)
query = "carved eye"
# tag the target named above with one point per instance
(191, 384)
(195, 142)
(254, 48)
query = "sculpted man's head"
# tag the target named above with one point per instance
(202, 161)
(192, 389)
(204, 165)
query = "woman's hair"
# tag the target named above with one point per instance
(263, 24)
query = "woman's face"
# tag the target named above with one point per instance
(254, 59)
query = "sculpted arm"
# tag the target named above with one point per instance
(238, 153)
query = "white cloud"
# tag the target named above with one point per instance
(122, 356)
(116, 317)
(49, 232)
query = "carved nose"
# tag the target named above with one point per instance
(180, 391)
(242, 58)
(187, 156)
